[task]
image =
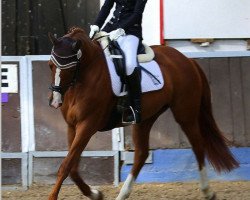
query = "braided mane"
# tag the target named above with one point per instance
(74, 30)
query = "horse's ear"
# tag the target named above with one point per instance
(76, 45)
(52, 38)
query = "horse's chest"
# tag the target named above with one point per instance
(69, 115)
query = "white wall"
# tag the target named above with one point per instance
(151, 22)
(206, 19)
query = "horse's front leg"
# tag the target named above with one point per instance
(75, 176)
(141, 142)
(79, 142)
(87, 191)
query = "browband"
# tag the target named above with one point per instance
(65, 62)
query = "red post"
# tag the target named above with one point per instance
(162, 22)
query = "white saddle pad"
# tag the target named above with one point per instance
(148, 83)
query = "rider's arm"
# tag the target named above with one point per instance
(138, 11)
(104, 12)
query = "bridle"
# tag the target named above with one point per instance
(73, 59)
(65, 62)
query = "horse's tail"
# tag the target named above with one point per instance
(216, 148)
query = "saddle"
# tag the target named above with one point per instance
(145, 53)
(112, 48)
(113, 51)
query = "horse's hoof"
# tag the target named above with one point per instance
(96, 195)
(123, 197)
(100, 196)
(213, 197)
(52, 197)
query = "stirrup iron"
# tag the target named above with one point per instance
(134, 117)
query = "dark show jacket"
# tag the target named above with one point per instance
(127, 15)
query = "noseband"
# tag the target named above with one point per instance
(65, 62)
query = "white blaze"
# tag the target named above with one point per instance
(57, 77)
(57, 97)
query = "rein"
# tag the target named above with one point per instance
(98, 38)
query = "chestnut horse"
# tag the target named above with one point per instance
(81, 86)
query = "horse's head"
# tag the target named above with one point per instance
(64, 63)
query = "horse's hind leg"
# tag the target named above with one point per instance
(193, 132)
(141, 142)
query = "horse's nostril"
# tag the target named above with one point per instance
(50, 102)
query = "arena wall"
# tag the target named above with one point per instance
(34, 135)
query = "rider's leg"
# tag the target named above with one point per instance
(134, 82)
(129, 45)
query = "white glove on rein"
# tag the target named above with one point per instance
(93, 30)
(114, 35)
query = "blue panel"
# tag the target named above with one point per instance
(174, 165)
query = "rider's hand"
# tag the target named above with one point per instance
(93, 30)
(114, 35)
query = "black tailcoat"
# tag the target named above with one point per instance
(127, 15)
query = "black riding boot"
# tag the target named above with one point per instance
(134, 89)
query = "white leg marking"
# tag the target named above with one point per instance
(126, 188)
(95, 194)
(204, 184)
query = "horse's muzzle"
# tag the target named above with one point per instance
(54, 102)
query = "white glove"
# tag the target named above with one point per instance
(114, 35)
(93, 30)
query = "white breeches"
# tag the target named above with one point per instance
(129, 44)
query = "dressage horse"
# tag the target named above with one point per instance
(81, 87)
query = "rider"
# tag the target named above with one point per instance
(126, 28)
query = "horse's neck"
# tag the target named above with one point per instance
(92, 91)
(94, 69)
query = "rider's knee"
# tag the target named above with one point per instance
(130, 67)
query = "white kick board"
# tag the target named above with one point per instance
(185, 19)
